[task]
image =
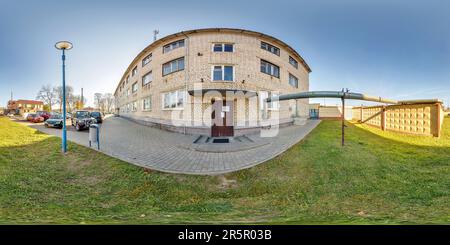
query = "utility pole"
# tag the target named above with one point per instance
(344, 92)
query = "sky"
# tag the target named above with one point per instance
(393, 49)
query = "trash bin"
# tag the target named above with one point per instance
(94, 133)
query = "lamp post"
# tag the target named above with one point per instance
(64, 45)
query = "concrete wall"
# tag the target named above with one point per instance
(420, 119)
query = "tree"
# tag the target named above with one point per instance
(46, 95)
(109, 101)
(98, 100)
(59, 94)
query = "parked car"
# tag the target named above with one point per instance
(43, 114)
(82, 119)
(55, 121)
(34, 118)
(98, 116)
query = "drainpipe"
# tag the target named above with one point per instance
(186, 73)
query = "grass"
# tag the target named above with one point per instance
(377, 178)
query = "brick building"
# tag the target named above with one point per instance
(213, 82)
(25, 106)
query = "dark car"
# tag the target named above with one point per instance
(82, 119)
(98, 116)
(43, 114)
(55, 121)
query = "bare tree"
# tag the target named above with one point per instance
(59, 94)
(46, 95)
(109, 101)
(98, 100)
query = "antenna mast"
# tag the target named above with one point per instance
(155, 33)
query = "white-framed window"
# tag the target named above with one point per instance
(147, 78)
(293, 62)
(128, 92)
(222, 73)
(147, 103)
(171, 46)
(270, 48)
(273, 105)
(223, 47)
(173, 66)
(269, 68)
(293, 81)
(128, 107)
(134, 87)
(147, 60)
(134, 71)
(134, 106)
(174, 99)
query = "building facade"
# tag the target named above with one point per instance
(25, 106)
(213, 82)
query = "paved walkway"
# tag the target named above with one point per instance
(176, 153)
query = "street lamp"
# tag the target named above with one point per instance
(64, 45)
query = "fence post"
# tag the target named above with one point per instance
(383, 118)
(437, 133)
(361, 114)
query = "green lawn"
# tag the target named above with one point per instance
(377, 178)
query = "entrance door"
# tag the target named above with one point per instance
(222, 118)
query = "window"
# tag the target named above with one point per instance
(174, 99)
(293, 62)
(147, 59)
(134, 71)
(147, 104)
(128, 92)
(174, 45)
(223, 47)
(173, 66)
(134, 106)
(134, 87)
(147, 78)
(222, 73)
(293, 81)
(269, 68)
(128, 78)
(270, 48)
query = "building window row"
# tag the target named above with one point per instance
(293, 62)
(147, 78)
(173, 66)
(270, 69)
(293, 81)
(222, 73)
(146, 60)
(147, 103)
(174, 99)
(174, 45)
(222, 47)
(270, 48)
(134, 87)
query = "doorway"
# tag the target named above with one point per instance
(222, 118)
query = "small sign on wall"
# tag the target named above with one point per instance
(225, 108)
